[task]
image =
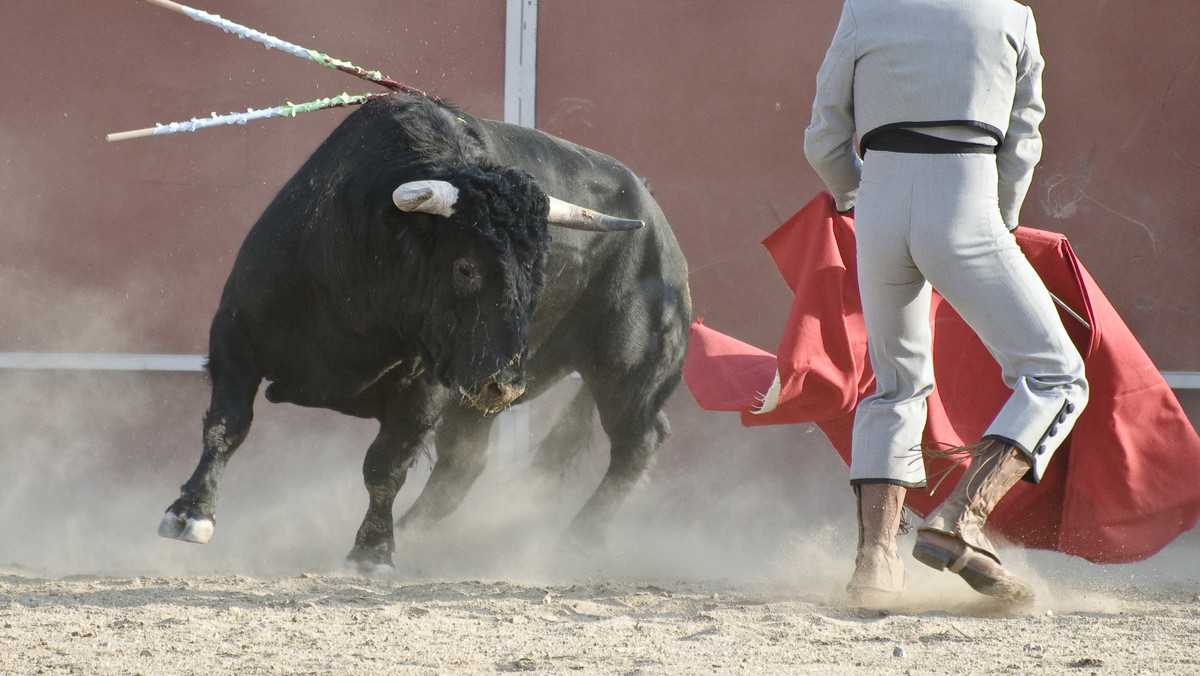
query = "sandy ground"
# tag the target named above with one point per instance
(665, 599)
(339, 624)
(728, 558)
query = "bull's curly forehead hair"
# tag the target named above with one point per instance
(505, 204)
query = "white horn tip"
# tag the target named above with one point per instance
(431, 197)
(567, 215)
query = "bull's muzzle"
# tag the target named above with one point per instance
(495, 396)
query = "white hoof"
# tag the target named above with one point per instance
(198, 531)
(171, 525)
(370, 571)
(379, 571)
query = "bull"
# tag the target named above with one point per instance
(407, 273)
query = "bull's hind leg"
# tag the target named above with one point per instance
(634, 435)
(192, 517)
(630, 405)
(462, 442)
(403, 425)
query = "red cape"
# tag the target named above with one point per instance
(1123, 485)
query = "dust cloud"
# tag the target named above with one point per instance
(731, 554)
(92, 459)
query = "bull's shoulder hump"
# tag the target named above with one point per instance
(409, 123)
(426, 122)
(524, 142)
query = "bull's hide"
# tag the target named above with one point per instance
(1125, 483)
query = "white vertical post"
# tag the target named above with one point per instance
(513, 437)
(520, 86)
(520, 62)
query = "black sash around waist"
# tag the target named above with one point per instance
(909, 141)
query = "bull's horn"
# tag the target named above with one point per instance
(575, 217)
(431, 197)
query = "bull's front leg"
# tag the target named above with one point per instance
(384, 470)
(192, 517)
(408, 416)
(235, 381)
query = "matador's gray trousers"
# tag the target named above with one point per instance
(926, 222)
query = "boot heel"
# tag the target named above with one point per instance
(931, 555)
(1004, 587)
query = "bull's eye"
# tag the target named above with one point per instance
(466, 275)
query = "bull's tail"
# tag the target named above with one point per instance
(570, 435)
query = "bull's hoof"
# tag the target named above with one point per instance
(584, 538)
(378, 571)
(171, 526)
(179, 527)
(371, 563)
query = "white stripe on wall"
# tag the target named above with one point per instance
(80, 361)
(1182, 380)
(69, 361)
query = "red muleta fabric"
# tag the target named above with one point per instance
(1123, 485)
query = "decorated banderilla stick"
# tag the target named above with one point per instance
(273, 42)
(289, 110)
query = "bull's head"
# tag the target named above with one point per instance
(489, 266)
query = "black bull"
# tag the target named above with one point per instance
(428, 321)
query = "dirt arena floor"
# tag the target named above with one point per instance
(663, 598)
(329, 624)
(791, 622)
(729, 560)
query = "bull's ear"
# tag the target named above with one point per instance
(430, 197)
(567, 215)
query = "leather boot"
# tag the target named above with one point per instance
(878, 570)
(953, 539)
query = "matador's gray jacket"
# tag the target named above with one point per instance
(996, 90)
